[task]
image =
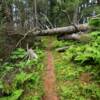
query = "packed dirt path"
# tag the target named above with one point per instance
(49, 77)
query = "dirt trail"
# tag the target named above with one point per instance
(49, 77)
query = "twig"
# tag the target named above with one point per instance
(24, 37)
(47, 19)
(68, 16)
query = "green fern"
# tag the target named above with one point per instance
(19, 53)
(22, 77)
(14, 96)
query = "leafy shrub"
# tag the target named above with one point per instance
(78, 91)
(87, 53)
(19, 53)
(95, 23)
(20, 74)
(77, 59)
(14, 96)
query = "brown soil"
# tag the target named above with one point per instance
(49, 78)
(85, 78)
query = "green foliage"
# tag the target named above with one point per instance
(19, 53)
(95, 23)
(78, 91)
(22, 77)
(79, 58)
(14, 96)
(61, 9)
(20, 74)
(86, 53)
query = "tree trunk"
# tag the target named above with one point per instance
(82, 37)
(62, 49)
(75, 15)
(61, 30)
(98, 1)
(55, 31)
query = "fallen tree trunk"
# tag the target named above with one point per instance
(56, 31)
(62, 49)
(72, 36)
(68, 37)
(61, 30)
(83, 37)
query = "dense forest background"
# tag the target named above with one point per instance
(20, 16)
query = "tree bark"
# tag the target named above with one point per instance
(56, 31)
(82, 37)
(75, 15)
(62, 49)
(61, 30)
(69, 37)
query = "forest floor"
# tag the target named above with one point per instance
(54, 76)
(64, 79)
(68, 75)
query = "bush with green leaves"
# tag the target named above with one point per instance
(86, 53)
(95, 23)
(19, 74)
(78, 59)
(78, 91)
(19, 53)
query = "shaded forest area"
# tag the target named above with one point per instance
(49, 50)
(19, 17)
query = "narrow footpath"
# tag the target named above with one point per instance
(49, 77)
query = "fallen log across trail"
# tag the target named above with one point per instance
(54, 31)
(60, 30)
(57, 31)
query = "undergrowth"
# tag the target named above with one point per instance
(78, 69)
(21, 78)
